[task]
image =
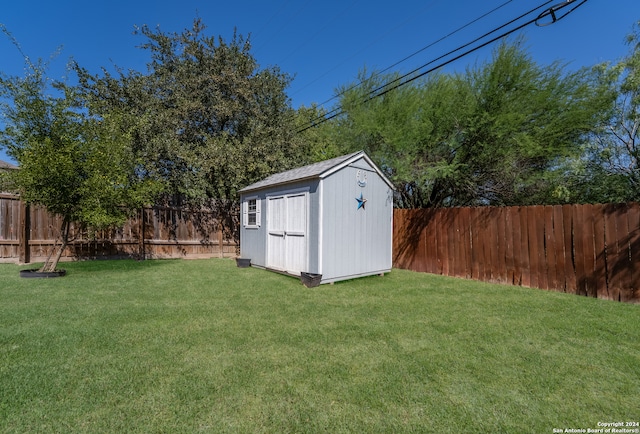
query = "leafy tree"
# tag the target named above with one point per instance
(610, 169)
(497, 134)
(316, 136)
(407, 131)
(207, 119)
(76, 165)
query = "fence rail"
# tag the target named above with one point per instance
(28, 233)
(591, 250)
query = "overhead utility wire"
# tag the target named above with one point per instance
(421, 50)
(264, 43)
(410, 73)
(329, 113)
(266, 23)
(372, 43)
(327, 24)
(549, 12)
(332, 113)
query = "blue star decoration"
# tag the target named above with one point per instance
(361, 201)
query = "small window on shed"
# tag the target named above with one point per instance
(252, 213)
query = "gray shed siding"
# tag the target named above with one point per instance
(355, 242)
(253, 241)
(343, 241)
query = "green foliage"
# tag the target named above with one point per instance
(85, 177)
(207, 120)
(609, 170)
(74, 164)
(495, 135)
(316, 136)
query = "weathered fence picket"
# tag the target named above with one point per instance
(27, 234)
(590, 250)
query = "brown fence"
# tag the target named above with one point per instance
(591, 250)
(28, 233)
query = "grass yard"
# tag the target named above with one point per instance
(203, 346)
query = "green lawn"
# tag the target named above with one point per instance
(203, 346)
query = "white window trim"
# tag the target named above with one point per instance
(245, 212)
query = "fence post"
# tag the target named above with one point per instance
(141, 232)
(25, 232)
(220, 240)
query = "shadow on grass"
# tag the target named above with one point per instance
(97, 265)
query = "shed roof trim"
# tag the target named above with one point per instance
(5, 165)
(316, 170)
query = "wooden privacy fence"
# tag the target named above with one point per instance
(27, 234)
(591, 250)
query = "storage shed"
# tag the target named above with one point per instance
(332, 219)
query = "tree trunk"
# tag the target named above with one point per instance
(50, 265)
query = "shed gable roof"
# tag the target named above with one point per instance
(316, 170)
(5, 165)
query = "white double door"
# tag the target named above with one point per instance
(287, 232)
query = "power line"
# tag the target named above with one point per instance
(281, 28)
(468, 44)
(332, 113)
(551, 12)
(421, 49)
(382, 36)
(467, 52)
(319, 31)
(275, 14)
(380, 92)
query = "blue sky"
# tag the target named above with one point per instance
(321, 44)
